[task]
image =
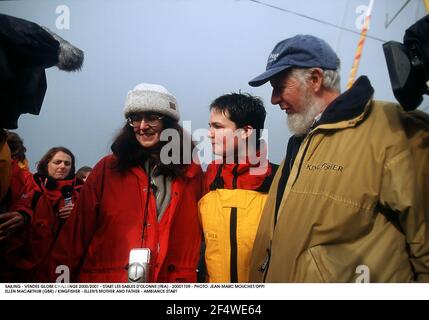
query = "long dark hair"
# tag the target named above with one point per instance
(42, 166)
(130, 153)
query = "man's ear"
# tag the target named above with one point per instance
(316, 79)
(246, 131)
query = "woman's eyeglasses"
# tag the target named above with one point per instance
(151, 119)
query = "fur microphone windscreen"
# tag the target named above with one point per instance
(26, 50)
(70, 58)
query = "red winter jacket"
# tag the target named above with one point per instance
(43, 203)
(108, 220)
(21, 183)
(253, 174)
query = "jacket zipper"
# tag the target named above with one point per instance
(233, 234)
(233, 243)
(266, 263)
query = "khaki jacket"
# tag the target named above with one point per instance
(351, 210)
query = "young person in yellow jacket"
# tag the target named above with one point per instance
(236, 186)
(345, 205)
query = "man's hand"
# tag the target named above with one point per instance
(10, 222)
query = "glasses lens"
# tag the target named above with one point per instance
(133, 122)
(151, 119)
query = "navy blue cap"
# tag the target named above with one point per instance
(302, 51)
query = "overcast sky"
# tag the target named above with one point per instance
(197, 49)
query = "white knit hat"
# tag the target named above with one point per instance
(146, 97)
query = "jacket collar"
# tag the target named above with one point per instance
(48, 183)
(246, 175)
(55, 190)
(349, 108)
(192, 170)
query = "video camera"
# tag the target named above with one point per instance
(408, 65)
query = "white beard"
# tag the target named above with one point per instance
(299, 123)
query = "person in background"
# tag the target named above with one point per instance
(236, 186)
(345, 205)
(13, 223)
(135, 201)
(16, 145)
(83, 173)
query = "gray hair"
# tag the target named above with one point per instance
(331, 78)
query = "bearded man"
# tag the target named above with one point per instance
(344, 206)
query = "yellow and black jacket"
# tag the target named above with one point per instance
(230, 214)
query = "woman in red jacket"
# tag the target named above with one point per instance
(137, 199)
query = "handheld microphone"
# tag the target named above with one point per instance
(67, 192)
